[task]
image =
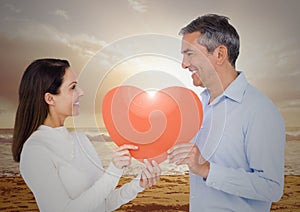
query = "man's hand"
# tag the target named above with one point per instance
(190, 155)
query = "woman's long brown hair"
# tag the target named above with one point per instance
(40, 77)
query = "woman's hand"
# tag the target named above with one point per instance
(121, 156)
(150, 174)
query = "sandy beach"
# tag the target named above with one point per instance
(170, 194)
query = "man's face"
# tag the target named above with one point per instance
(197, 60)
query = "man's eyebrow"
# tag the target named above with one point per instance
(186, 50)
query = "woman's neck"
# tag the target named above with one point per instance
(53, 122)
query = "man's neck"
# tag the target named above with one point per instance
(225, 79)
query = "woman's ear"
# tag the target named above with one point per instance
(49, 98)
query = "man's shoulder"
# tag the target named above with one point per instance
(254, 94)
(259, 101)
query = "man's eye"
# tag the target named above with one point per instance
(73, 87)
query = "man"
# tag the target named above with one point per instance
(237, 163)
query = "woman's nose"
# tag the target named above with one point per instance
(80, 91)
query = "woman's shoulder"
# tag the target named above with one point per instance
(34, 146)
(37, 137)
(54, 140)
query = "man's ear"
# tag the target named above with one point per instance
(221, 53)
(49, 98)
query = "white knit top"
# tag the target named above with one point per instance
(64, 172)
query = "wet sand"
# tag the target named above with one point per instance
(170, 194)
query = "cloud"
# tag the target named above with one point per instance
(28, 41)
(138, 5)
(62, 13)
(7, 113)
(12, 8)
(5, 105)
(290, 110)
(86, 45)
(83, 44)
(271, 60)
(295, 103)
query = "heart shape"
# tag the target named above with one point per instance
(152, 120)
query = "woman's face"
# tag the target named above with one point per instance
(66, 103)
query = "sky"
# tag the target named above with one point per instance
(115, 42)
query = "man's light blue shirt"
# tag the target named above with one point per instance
(243, 138)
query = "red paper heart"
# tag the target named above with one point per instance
(152, 120)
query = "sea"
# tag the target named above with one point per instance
(104, 146)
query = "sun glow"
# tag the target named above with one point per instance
(151, 93)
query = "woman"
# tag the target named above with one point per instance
(62, 169)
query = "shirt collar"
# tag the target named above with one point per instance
(234, 91)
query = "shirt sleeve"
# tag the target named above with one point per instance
(123, 194)
(40, 174)
(264, 148)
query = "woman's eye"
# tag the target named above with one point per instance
(73, 87)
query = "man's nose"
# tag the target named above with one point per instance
(184, 64)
